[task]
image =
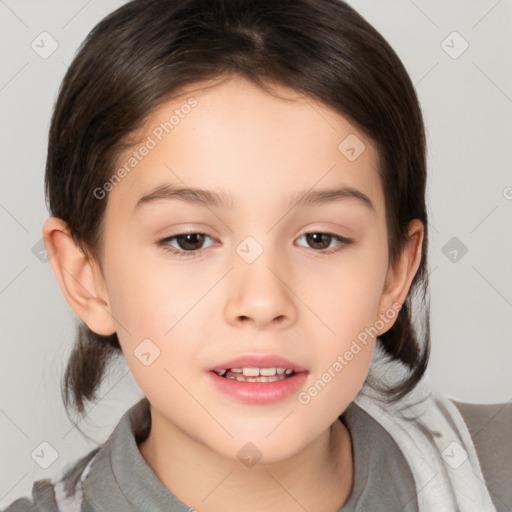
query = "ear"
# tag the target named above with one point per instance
(80, 278)
(400, 275)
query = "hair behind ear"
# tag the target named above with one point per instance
(89, 359)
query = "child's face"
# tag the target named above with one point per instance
(257, 285)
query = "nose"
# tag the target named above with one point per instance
(260, 294)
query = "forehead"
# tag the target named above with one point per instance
(230, 135)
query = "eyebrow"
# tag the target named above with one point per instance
(221, 199)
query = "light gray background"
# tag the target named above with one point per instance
(467, 104)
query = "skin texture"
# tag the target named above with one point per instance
(293, 300)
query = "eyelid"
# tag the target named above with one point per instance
(342, 240)
(165, 242)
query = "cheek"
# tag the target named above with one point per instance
(329, 392)
(347, 303)
(344, 352)
(149, 297)
(158, 308)
(350, 310)
(346, 297)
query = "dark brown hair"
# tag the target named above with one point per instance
(143, 53)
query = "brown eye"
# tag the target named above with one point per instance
(190, 241)
(321, 241)
(184, 244)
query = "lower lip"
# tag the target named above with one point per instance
(259, 392)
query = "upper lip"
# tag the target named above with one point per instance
(258, 361)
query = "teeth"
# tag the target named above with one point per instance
(259, 378)
(253, 372)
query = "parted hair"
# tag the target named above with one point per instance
(143, 53)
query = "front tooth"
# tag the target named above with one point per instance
(268, 372)
(251, 372)
(236, 370)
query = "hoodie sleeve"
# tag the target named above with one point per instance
(43, 499)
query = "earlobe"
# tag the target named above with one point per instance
(79, 278)
(401, 274)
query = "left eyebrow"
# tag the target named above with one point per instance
(331, 195)
(219, 199)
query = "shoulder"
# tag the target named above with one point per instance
(490, 426)
(60, 495)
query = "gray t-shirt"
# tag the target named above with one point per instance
(116, 478)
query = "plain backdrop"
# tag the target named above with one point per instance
(458, 54)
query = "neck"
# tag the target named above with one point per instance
(319, 477)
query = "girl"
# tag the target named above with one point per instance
(277, 354)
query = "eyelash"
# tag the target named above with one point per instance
(164, 243)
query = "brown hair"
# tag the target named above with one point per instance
(140, 55)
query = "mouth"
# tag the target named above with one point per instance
(258, 379)
(250, 374)
(258, 368)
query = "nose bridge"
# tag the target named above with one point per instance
(258, 286)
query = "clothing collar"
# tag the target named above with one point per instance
(432, 435)
(120, 478)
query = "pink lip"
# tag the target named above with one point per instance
(261, 393)
(259, 361)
